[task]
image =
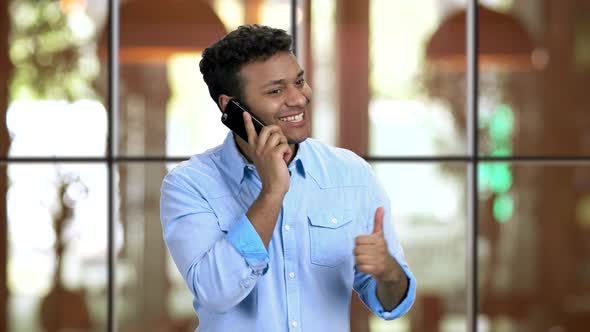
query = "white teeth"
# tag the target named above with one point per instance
(294, 118)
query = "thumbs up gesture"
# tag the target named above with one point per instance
(371, 254)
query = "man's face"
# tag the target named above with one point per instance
(275, 90)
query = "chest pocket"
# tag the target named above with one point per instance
(331, 237)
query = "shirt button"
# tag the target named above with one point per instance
(334, 220)
(294, 323)
(287, 228)
(291, 275)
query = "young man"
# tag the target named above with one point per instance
(273, 234)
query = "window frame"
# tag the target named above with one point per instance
(472, 159)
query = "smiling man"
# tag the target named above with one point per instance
(274, 233)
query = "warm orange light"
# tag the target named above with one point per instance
(503, 43)
(70, 6)
(152, 31)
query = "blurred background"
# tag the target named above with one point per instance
(389, 82)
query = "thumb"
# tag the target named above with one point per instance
(378, 227)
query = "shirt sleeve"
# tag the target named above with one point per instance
(248, 243)
(368, 294)
(364, 284)
(219, 267)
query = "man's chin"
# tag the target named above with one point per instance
(297, 141)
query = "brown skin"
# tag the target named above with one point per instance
(372, 257)
(275, 88)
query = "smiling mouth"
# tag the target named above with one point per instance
(294, 118)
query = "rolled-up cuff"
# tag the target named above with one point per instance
(376, 306)
(248, 243)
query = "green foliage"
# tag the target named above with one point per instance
(497, 176)
(503, 208)
(51, 56)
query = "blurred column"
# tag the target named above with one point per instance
(143, 121)
(352, 52)
(556, 265)
(150, 33)
(305, 55)
(428, 312)
(352, 55)
(352, 45)
(4, 142)
(252, 11)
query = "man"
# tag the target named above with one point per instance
(273, 234)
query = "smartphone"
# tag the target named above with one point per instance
(233, 118)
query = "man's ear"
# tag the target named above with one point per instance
(222, 102)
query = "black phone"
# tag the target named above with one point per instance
(233, 118)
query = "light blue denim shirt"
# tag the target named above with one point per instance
(303, 282)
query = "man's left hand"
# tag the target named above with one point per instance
(371, 254)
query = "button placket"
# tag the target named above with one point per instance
(289, 212)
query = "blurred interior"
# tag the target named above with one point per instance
(389, 82)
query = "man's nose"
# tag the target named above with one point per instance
(296, 97)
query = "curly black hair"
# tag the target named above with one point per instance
(223, 60)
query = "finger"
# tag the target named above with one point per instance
(366, 259)
(287, 155)
(265, 133)
(282, 149)
(250, 131)
(366, 249)
(365, 240)
(277, 140)
(273, 141)
(378, 227)
(366, 268)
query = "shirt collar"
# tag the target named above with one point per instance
(232, 158)
(237, 164)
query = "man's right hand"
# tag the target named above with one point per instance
(270, 152)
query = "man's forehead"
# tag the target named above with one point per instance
(277, 67)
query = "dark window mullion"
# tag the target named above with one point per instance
(113, 100)
(294, 25)
(472, 190)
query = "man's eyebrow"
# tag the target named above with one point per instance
(282, 80)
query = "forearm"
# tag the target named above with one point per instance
(392, 289)
(222, 289)
(222, 278)
(263, 215)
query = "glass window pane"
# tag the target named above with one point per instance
(428, 205)
(540, 106)
(57, 247)
(406, 114)
(151, 294)
(534, 262)
(55, 106)
(379, 89)
(165, 107)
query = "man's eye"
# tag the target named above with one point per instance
(275, 91)
(300, 81)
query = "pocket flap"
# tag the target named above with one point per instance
(330, 219)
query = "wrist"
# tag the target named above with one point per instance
(271, 197)
(393, 274)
